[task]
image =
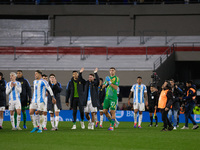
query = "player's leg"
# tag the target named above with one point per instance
(15, 118)
(141, 109)
(57, 111)
(12, 119)
(24, 116)
(2, 109)
(101, 119)
(175, 118)
(96, 120)
(116, 121)
(45, 120)
(136, 107)
(151, 118)
(93, 112)
(81, 109)
(18, 118)
(75, 105)
(37, 118)
(33, 107)
(52, 120)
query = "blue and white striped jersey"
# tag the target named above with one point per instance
(13, 92)
(138, 93)
(39, 93)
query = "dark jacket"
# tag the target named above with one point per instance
(102, 94)
(93, 90)
(57, 88)
(2, 92)
(177, 92)
(170, 100)
(70, 91)
(26, 91)
(153, 99)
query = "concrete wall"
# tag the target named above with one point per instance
(107, 20)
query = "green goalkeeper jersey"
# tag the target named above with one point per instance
(111, 93)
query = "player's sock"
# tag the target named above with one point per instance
(12, 121)
(56, 121)
(112, 122)
(96, 120)
(24, 117)
(156, 118)
(52, 122)
(37, 118)
(151, 118)
(140, 120)
(1, 122)
(18, 120)
(101, 119)
(45, 121)
(90, 120)
(15, 118)
(33, 118)
(41, 121)
(116, 121)
(135, 117)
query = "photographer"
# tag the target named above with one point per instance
(189, 104)
(177, 92)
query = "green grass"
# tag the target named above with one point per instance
(124, 137)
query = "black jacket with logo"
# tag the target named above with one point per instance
(2, 92)
(70, 91)
(93, 90)
(26, 91)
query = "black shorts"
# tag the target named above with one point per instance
(151, 109)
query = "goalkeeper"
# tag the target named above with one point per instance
(111, 84)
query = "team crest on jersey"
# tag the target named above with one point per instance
(21, 82)
(79, 82)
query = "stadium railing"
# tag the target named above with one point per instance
(33, 31)
(118, 36)
(149, 33)
(89, 50)
(53, 34)
(175, 47)
(148, 48)
(7, 50)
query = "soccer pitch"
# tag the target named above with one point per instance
(123, 137)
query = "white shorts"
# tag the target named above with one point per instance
(139, 106)
(2, 108)
(55, 109)
(89, 108)
(14, 105)
(38, 106)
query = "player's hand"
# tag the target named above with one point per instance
(96, 69)
(108, 79)
(67, 104)
(13, 84)
(102, 104)
(156, 107)
(53, 100)
(147, 107)
(46, 93)
(166, 109)
(82, 69)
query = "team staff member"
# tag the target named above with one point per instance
(25, 96)
(74, 92)
(91, 98)
(54, 108)
(102, 93)
(164, 103)
(2, 98)
(153, 104)
(189, 105)
(177, 92)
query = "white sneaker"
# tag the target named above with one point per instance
(74, 127)
(89, 126)
(177, 126)
(117, 124)
(82, 125)
(174, 128)
(18, 128)
(92, 127)
(14, 129)
(184, 127)
(195, 127)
